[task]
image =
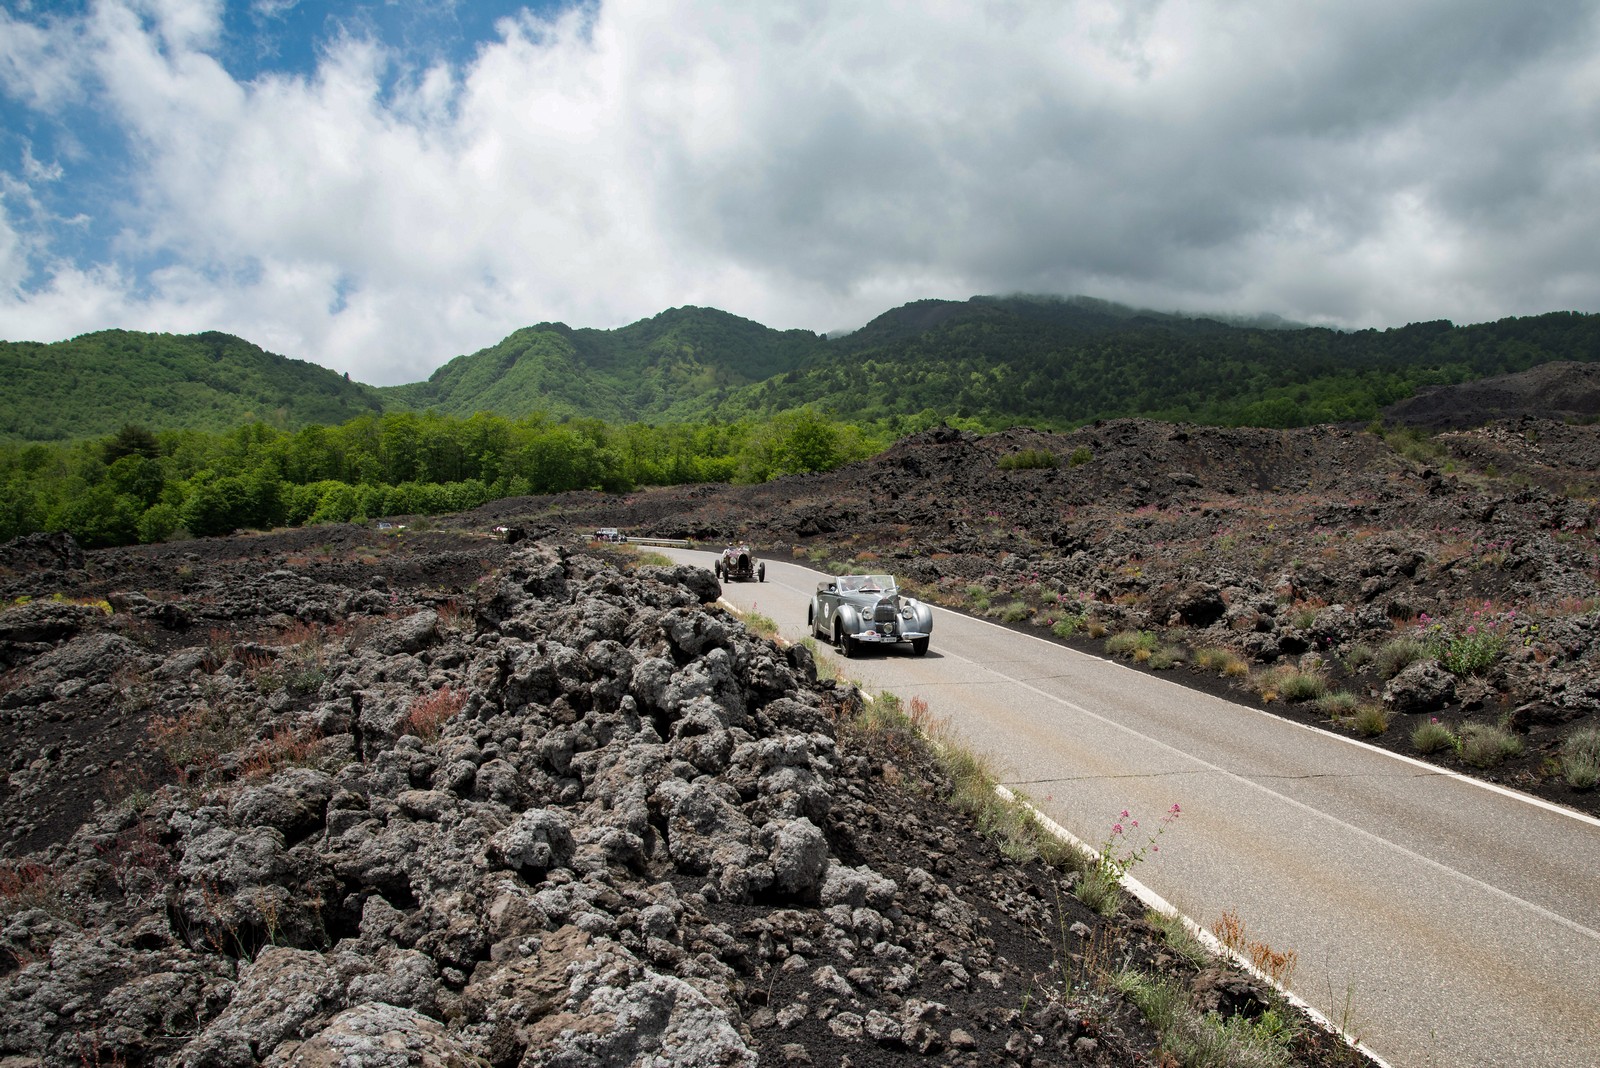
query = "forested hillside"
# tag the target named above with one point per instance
(1057, 363)
(95, 383)
(675, 365)
(988, 363)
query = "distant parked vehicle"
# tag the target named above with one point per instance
(609, 534)
(737, 564)
(854, 611)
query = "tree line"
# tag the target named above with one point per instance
(141, 486)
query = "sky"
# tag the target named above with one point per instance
(380, 186)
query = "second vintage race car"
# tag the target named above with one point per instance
(738, 564)
(853, 611)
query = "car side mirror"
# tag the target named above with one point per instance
(833, 587)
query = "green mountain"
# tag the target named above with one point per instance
(991, 361)
(95, 383)
(678, 363)
(1053, 362)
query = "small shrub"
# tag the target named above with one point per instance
(1484, 745)
(764, 625)
(1094, 628)
(1359, 656)
(1290, 684)
(1471, 653)
(1580, 758)
(428, 713)
(1179, 938)
(1131, 643)
(1100, 890)
(1414, 444)
(1223, 661)
(25, 886)
(1166, 657)
(1432, 737)
(1080, 456)
(194, 738)
(1370, 720)
(285, 748)
(1014, 612)
(1395, 655)
(1339, 705)
(1029, 459)
(1067, 626)
(1275, 964)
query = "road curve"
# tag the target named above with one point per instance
(1443, 921)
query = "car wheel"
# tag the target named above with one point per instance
(761, 573)
(846, 644)
(919, 647)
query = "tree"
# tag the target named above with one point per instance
(131, 440)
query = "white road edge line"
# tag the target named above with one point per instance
(1438, 866)
(1155, 901)
(1515, 795)
(1445, 869)
(1150, 899)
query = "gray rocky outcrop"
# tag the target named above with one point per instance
(520, 880)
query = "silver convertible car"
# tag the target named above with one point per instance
(853, 611)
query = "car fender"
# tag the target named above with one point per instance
(848, 619)
(921, 617)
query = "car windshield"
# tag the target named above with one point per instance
(867, 584)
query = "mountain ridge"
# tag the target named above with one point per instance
(992, 361)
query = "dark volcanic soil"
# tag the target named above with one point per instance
(271, 796)
(309, 797)
(1320, 549)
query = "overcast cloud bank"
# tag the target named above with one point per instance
(802, 164)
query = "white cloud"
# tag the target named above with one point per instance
(814, 163)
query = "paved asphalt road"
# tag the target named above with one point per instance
(1442, 921)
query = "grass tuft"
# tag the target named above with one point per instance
(1432, 737)
(1395, 655)
(1131, 643)
(1580, 758)
(1484, 745)
(1289, 683)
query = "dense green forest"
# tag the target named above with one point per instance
(1048, 364)
(990, 361)
(139, 486)
(239, 437)
(667, 368)
(93, 384)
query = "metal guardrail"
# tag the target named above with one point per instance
(663, 543)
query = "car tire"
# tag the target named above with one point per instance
(919, 647)
(761, 573)
(846, 644)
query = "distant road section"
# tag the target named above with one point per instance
(1444, 922)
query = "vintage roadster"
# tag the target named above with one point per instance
(853, 611)
(736, 564)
